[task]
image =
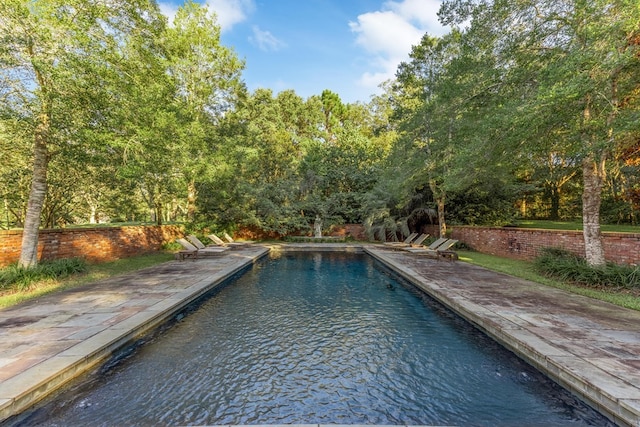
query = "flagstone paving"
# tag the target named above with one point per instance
(590, 347)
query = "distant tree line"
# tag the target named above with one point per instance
(524, 110)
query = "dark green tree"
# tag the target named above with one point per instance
(56, 58)
(571, 71)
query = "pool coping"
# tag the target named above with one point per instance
(324, 425)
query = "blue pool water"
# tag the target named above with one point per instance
(327, 338)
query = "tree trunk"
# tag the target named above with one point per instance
(440, 201)
(555, 202)
(159, 212)
(93, 215)
(441, 221)
(29, 250)
(523, 207)
(593, 176)
(191, 200)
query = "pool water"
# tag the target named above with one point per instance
(331, 338)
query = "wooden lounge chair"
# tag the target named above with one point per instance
(433, 246)
(406, 241)
(199, 245)
(218, 241)
(191, 251)
(230, 240)
(446, 252)
(418, 242)
(442, 249)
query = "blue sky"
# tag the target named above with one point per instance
(347, 46)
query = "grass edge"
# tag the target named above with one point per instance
(94, 273)
(525, 270)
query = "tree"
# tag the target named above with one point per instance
(574, 65)
(255, 182)
(426, 119)
(624, 179)
(15, 136)
(207, 75)
(55, 57)
(333, 111)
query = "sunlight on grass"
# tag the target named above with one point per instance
(94, 273)
(575, 226)
(525, 270)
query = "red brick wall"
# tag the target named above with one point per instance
(93, 244)
(355, 231)
(525, 243)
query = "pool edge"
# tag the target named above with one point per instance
(26, 389)
(620, 411)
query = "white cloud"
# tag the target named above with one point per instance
(265, 40)
(385, 33)
(231, 12)
(373, 80)
(228, 12)
(168, 9)
(388, 35)
(423, 12)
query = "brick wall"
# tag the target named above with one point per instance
(105, 244)
(93, 244)
(355, 231)
(525, 243)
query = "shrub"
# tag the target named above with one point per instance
(568, 267)
(308, 239)
(171, 246)
(15, 278)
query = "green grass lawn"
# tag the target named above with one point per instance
(575, 225)
(525, 270)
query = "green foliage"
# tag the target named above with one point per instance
(552, 87)
(149, 121)
(307, 239)
(118, 103)
(16, 278)
(520, 108)
(171, 246)
(486, 202)
(567, 267)
(287, 160)
(617, 210)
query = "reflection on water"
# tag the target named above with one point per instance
(320, 338)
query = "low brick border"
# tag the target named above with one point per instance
(94, 244)
(526, 243)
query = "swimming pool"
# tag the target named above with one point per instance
(319, 338)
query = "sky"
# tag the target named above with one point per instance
(347, 46)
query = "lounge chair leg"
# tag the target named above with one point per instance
(449, 255)
(180, 256)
